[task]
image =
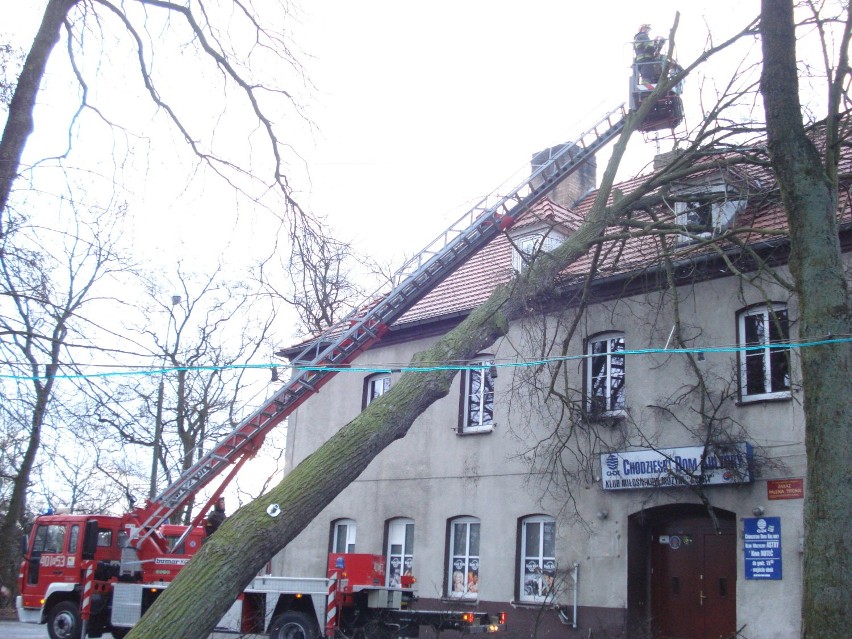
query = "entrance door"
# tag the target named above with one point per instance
(693, 580)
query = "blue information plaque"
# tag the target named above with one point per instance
(762, 547)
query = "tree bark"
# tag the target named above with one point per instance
(19, 123)
(810, 198)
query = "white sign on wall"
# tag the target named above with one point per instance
(673, 467)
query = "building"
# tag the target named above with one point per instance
(629, 460)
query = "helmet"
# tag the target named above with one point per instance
(644, 27)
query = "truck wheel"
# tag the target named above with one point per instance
(293, 625)
(63, 621)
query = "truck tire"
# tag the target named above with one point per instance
(63, 621)
(293, 625)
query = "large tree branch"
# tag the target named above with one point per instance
(19, 123)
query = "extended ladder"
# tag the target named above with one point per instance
(343, 341)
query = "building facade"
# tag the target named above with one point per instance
(628, 461)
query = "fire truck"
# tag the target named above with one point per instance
(88, 575)
(72, 579)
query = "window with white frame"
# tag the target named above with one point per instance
(526, 247)
(605, 375)
(343, 536)
(477, 412)
(375, 386)
(537, 570)
(463, 573)
(400, 551)
(764, 369)
(706, 211)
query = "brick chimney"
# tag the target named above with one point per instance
(569, 191)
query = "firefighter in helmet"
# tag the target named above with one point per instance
(647, 58)
(215, 517)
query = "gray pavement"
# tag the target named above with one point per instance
(17, 630)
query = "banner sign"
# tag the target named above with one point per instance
(762, 547)
(673, 467)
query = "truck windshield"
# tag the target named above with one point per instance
(49, 539)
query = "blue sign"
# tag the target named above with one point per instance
(762, 547)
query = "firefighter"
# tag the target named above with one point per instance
(215, 517)
(647, 56)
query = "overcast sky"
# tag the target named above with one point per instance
(424, 108)
(420, 110)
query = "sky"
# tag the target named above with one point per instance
(419, 110)
(423, 108)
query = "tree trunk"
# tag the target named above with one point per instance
(810, 198)
(19, 123)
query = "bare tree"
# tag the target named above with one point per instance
(207, 338)
(321, 286)
(145, 29)
(48, 279)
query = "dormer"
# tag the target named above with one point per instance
(707, 207)
(544, 229)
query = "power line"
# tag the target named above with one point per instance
(395, 368)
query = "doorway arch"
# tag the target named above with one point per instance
(682, 573)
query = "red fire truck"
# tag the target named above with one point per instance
(91, 574)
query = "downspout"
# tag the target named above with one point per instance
(576, 583)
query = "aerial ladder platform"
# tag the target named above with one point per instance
(326, 354)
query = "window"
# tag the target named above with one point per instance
(477, 412)
(526, 247)
(73, 539)
(50, 539)
(343, 536)
(400, 551)
(463, 580)
(375, 386)
(104, 538)
(707, 212)
(605, 374)
(538, 558)
(764, 370)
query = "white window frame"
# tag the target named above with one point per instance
(609, 353)
(399, 551)
(768, 314)
(376, 386)
(537, 569)
(526, 247)
(723, 211)
(344, 530)
(482, 369)
(464, 567)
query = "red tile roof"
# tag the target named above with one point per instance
(473, 282)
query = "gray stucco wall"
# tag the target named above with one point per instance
(434, 474)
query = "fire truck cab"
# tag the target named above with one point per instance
(54, 555)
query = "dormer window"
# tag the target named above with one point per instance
(527, 246)
(706, 211)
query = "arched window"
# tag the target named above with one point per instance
(399, 551)
(375, 386)
(537, 566)
(343, 535)
(463, 572)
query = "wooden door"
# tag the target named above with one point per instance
(693, 580)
